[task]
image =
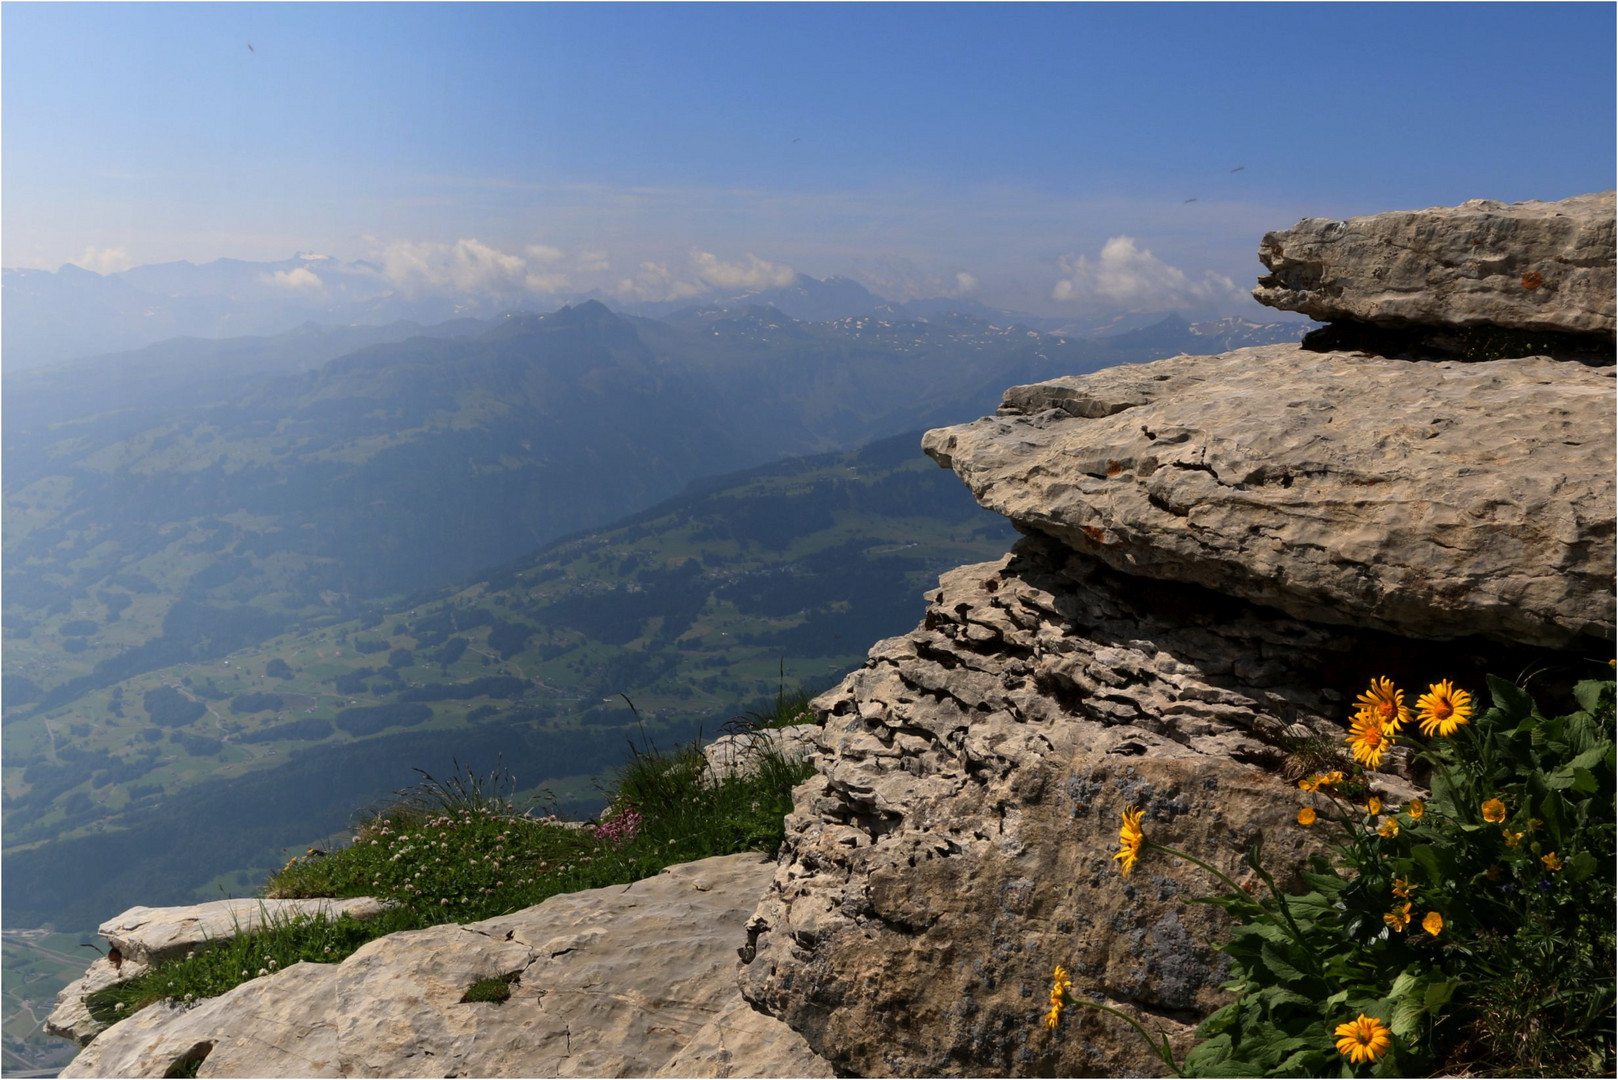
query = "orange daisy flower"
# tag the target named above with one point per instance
(1443, 709)
(1383, 704)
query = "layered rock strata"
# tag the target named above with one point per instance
(1428, 499)
(1219, 550)
(1538, 266)
(959, 839)
(584, 1000)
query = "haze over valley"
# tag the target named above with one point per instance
(388, 388)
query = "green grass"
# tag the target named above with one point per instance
(460, 850)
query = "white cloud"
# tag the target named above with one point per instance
(297, 279)
(753, 274)
(547, 283)
(593, 262)
(898, 278)
(468, 267)
(655, 281)
(1132, 277)
(104, 260)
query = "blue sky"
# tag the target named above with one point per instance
(998, 150)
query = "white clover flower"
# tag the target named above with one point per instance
(261, 971)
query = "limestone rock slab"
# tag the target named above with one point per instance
(143, 935)
(607, 982)
(1427, 499)
(1530, 266)
(957, 842)
(738, 755)
(148, 934)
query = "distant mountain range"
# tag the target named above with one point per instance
(71, 312)
(173, 509)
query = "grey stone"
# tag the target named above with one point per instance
(607, 982)
(958, 842)
(1432, 500)
(738, 755)
(143, 935)
(1526, 266)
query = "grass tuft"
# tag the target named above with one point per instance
(495, 989)
(458, 850)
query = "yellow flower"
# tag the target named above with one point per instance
(1310, 783)
(1512, 838)
(1494, 811)
(1403, 888)
(1388, 829)
(1551, 861)
(1415, 808)
(1306, 816)
(1384, 705)
(1130, 838)
(1433, 923)
(1443, 709)
(1399, 917)
(1367, 741)
(1373, 806)
(1060, 985)
(1364, 1039)
(1331, 779)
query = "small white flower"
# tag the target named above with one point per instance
(327, 949)
(444, 902)
(118, 1007)
(244, 974)
(189, 999)
(261, 971)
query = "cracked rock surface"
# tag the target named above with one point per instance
(608, 982)
(1528, 266)
(1431, 500)
(142, 935)
(958, 839)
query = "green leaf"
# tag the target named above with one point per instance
(1280, 995)
(1511, 701)
(1280, 964)
(1402, 985)
(1335, 1000)
(1407, 1017)
(1438, 993)
(1427, 858)
(1220, 1021)
(1584, 781)
(1590, 692)
(1581, 866)
(1296, 1064)
(1591, 757)
(1210, 1051)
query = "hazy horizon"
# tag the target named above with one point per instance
(1069, 160)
